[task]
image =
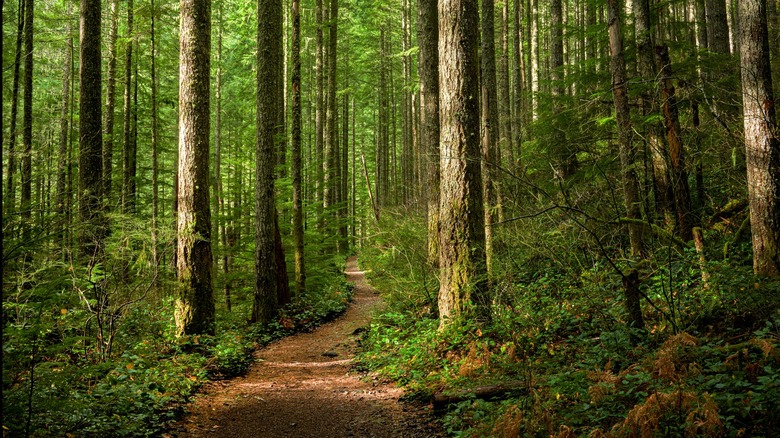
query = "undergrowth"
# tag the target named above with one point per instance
(706, 365)
(81, 362)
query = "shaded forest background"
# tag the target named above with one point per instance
(615, 281)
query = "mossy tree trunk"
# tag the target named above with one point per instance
(194, 302)
(269, 44)
(463, 267)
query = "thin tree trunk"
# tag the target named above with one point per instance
(127, 141)
(489, 123)
(319, 115)
(505, 141)
(679, 174)
(62, 161)
(108, 132)
(515, 164)
(10, 191)
(427, 38)
(300, 269)
(534, 55)
(26, 200)
(664, 197)
(155, 135)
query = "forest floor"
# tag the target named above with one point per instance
(304, 386)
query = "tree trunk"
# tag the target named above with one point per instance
(462, 261)
(269, 43)
(295, 44)
(195, 301)
(127, 140)
(627, 153)
(26, 200)
(762, 144)
(489, 121)
(428, 68)
(534, 55)
(62, 155)
(678, 173)
(108, 128)
(10, 191)
(505, 141)
(155, 136)
(664, 198)
(319, 114)
(717, 26)
(90, 132)
(515, 165)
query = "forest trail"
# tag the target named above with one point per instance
(301, 386)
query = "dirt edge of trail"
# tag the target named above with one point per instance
(303, 386)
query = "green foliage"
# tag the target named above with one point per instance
(707, 363)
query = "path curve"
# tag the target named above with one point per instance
(293, 390)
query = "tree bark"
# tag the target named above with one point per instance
(534, 56)
(155, 135)
(762, 139)
(128, 154)
(664, 198)
(319, 111)
(717, 27)
(195, 301)
(627, 153)
(10, 190)
(505, 140)
(27, 101)
(489, 125)
(678, 172)
(269, 47)
(515, 165)
(295, 44)
(463, 267)
(62, 155)
(108, 128)
(90, 132)
(427, 40)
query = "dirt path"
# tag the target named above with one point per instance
(294, 390)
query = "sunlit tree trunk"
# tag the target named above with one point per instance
(762, 139)
(427, 40)
(462, 261)
(195, 301)
(489, 125)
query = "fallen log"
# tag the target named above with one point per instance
(443, 399)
